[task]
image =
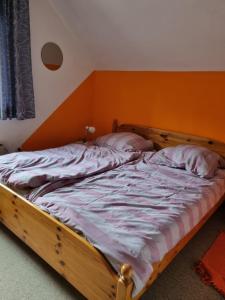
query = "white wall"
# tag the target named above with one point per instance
(50, 88)
(147, 35)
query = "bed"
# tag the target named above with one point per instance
(72, 255)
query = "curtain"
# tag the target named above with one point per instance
(16, 82)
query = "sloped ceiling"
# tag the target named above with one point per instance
(149, 34)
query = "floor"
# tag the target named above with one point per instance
(24, 276)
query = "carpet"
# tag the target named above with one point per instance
(211, 267)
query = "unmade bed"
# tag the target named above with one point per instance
(138, 214)
(135, 213)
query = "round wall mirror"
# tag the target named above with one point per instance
(52, 56)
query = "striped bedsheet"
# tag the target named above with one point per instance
(136, 213)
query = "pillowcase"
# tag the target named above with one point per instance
(125, 141)
(197, 160)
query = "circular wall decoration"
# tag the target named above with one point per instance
(52, 56)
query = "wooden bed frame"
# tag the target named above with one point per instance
(70, 254)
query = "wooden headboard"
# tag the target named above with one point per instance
(165, 138)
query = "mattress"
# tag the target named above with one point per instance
(135, 213)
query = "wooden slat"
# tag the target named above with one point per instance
(165, 138)
(67, 252)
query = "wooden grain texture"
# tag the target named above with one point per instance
(67, 252)
(125, 283)
(70, 254)
(166, 138)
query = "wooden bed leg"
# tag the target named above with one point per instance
(125, 283)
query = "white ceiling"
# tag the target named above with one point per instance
(149, 34)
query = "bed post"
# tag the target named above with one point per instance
(115, 125)
(125, 283)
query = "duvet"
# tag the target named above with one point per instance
(135, 213)
(58, 166)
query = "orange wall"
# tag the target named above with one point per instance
(192, 102)
(67, 123)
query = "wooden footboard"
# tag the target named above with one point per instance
(63, 249)
(71, 255)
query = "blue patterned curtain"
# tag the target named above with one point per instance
(16, 82)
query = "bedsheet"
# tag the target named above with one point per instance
(57, 166)
(136, 213)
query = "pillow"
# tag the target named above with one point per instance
(126, 141)
(197, 160)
